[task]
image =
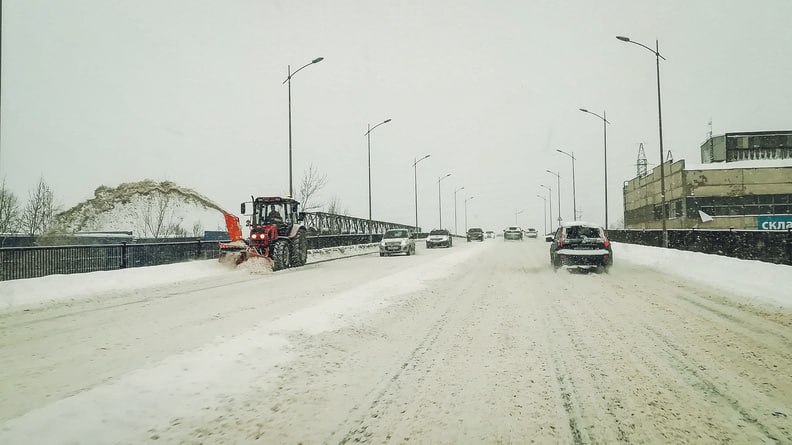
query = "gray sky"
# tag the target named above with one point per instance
(102, 92)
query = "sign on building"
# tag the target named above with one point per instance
(775, 222)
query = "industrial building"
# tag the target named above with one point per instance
(744, 182)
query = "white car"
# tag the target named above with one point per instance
(531, 233)
(513, 233)
(439, 237)
(397, 241)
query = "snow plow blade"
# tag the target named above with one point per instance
(236, 253)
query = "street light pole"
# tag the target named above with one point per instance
(440, 198)
(558, 177)
(574, 188)
(455, 209)
(544, 212)
(415, 171)
(605, 137)
(466, 224)
(656, 52)
(368, 138)
(288, 80)
(550, 196)
(517, 212)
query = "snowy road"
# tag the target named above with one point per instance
(479, 343)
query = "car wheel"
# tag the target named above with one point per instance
(382, 254)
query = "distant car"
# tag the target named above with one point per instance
(439, 237)
(581, 245)
(490, 234)
(531, 233)
(475, 233)
(513, 233)
(397, 241)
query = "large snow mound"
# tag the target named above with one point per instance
(764, 282)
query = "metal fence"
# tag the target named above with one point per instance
(31, 262)
(772, 247)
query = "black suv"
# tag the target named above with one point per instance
(581, 245)
(475, 233)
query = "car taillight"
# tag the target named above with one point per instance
(606, 243)
(254, 235)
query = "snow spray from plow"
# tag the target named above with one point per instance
(107, 199)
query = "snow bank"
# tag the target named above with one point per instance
(764, 282)
(51, 288)
(68, 287)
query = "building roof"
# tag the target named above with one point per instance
(759, 163)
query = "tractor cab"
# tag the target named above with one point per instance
(275, 211)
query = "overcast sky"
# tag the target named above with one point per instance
(103, 92)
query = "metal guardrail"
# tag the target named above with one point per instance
(332, 224)
(31, 262)
(772, 247)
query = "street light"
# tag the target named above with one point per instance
(288, 80)
(466, 224)
(558, 177)
(656, 52)
(544, 210)
(440, 198)
(455, 209)
(550, 196)
(605, 137)
(415, 170)
(516, 223)
(574, 198)
(368, 137)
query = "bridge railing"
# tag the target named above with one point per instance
(37, 261)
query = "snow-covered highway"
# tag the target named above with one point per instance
(481, 343)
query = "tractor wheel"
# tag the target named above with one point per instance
(280, 255)
(299, 249)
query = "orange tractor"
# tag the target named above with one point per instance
(276, 234)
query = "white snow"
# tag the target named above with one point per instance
(51, 288)
(120, 410)
(757, 280)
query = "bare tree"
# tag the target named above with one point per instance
(157, 217)
(312, 183)
(37, 214)
(9, 210)
(197, 229)
(334, 207)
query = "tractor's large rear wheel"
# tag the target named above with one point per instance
(280, 254)
(299, 249)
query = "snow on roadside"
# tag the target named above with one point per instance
(133, 407)
(757, 280)
(33, 291)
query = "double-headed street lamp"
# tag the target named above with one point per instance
(455, 208)
(466, 224)
(656, 52)
(558, 177)
(605, 137)
(288, 80)
(440, 198)
(544, 212)
(368, 137)
(550, 196)
(574, 198)
(415, 170)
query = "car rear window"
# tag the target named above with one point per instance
(583, 232)
(396, 234)
(438, 232)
